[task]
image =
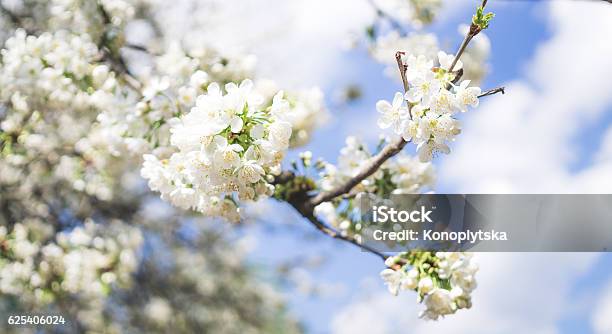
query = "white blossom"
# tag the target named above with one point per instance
(430, 123)
(226, 146)
(443, 281)
(438, 302)
(392, 114)
(467, 96)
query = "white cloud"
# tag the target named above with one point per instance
(527, 140)
(602, 319)
(517, 293)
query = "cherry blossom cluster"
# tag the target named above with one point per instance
(55, 172)
(228, 147)
(401, 175)
(51, 64)
(443, 281)
(40, 266)
(421, 43)
(427, 119)
(143, 124)
(171, 89)
(51, 82)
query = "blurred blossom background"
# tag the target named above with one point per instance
(169, 270)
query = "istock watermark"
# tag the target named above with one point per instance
(383, 214)
(488, 223)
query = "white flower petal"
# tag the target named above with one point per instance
(236, 124)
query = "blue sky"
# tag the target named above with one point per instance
(559, 291)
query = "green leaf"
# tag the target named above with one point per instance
(482, 20)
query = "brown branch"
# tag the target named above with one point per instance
(474, 30)
(402, 69)
(300, 200)
(374, 163)
(464, 44)
(305, 204)
(493, 91)
(142, 49)
(137, 47)
(369, 168)
(346, 238)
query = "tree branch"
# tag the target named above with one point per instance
(305, 203)
(474, 30)
(300, 200)
(137, 47)
(402, 69)
(374, 163)
(369, 168)
(337, 235)
(493, 91)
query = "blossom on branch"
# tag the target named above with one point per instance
(228, 147)
(401, 175)
(432, 100)
(443, 281)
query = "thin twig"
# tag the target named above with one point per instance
(337, 235)
(462, 48)
(300, 200)
(137, 47)
(474, 30)
(493, 91)
(402, 69)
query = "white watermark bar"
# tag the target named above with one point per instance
(487, 222)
